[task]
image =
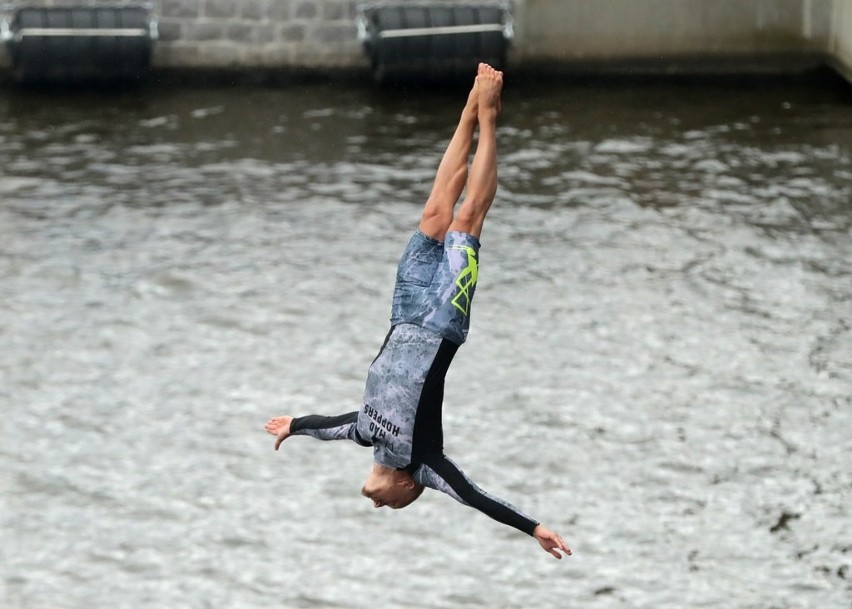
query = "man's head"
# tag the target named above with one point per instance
(393, 488)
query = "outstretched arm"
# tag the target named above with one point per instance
(341, 427)
(441, 473)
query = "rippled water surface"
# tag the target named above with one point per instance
(659, 366)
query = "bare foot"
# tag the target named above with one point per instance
(489, 84)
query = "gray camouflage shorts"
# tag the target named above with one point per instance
(435, 283)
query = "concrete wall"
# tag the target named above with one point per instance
(595, 31)
(662, 35)
(840, 43)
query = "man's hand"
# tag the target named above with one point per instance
(550, 542)
(280, 428)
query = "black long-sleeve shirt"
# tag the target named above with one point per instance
(401, 419)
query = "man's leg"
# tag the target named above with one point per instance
(482, 184)
(452, 174)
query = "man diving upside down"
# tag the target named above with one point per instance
(401, 413)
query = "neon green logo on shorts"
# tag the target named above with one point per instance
(466, 280)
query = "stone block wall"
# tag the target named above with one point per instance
(258, 33)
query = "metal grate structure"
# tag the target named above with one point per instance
(435, 40)
(71, 44)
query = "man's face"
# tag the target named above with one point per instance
(394, 491)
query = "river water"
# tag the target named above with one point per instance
(659, 365)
